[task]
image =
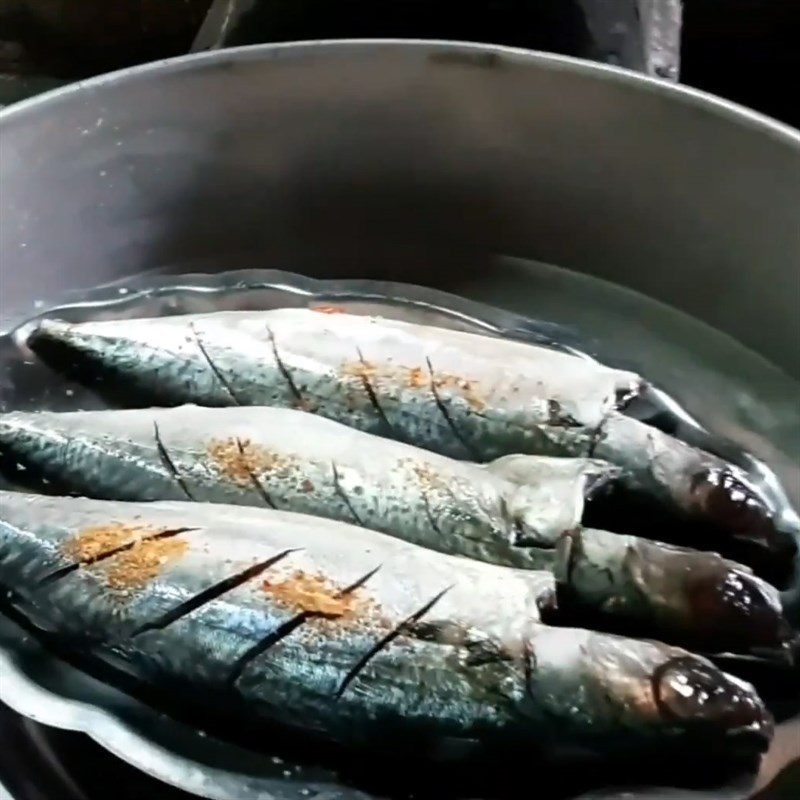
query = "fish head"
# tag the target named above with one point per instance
(734, 609)
(726, 498)
(700, 599)
(667, 692)
(647, 691)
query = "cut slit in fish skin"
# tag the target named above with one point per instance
(460, 394)
(518, 511)
(397, 649)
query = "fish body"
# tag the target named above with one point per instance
(518, 511)
(511, 511)
(456, 393)
(270, 614)
(459, 394)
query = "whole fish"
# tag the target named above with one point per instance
(460, 394)
(292, 460)
(267, 614)
(518, 511)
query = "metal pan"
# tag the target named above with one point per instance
(398, 160)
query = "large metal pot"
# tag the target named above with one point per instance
(412, 161)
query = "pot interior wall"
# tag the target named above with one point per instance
(418, 162)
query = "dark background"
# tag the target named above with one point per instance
(744, 50)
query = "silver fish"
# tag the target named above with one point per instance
(292, 460)
(460, 394)
(518, 511)
(267, 614)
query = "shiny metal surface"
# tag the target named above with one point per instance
(408, 159)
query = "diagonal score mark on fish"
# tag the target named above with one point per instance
(429, 512)
(168, 463)
(211, 593)
(253, 478)
(342, 494)
(627, 691)
(284, 371)
(352, 673)
(212, 366)
(364, 374)
(442, 407)
(288, 627)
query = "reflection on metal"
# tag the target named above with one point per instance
(662, 21)
(219, 23)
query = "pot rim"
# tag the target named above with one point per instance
(480, 54)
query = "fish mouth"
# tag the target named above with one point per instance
(696, 696)
(734, 609)
(749, 737)
(730, 503)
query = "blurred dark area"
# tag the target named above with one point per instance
(747, 51)
(744, 50)
(40, 763)
(72, 39)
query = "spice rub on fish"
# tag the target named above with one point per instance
(267, 612)
(519, 511)
(460, 394)
(291, 460)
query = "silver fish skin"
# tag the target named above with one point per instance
(460, 394)
(519, 511)
(511, 511)
(270, 614)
